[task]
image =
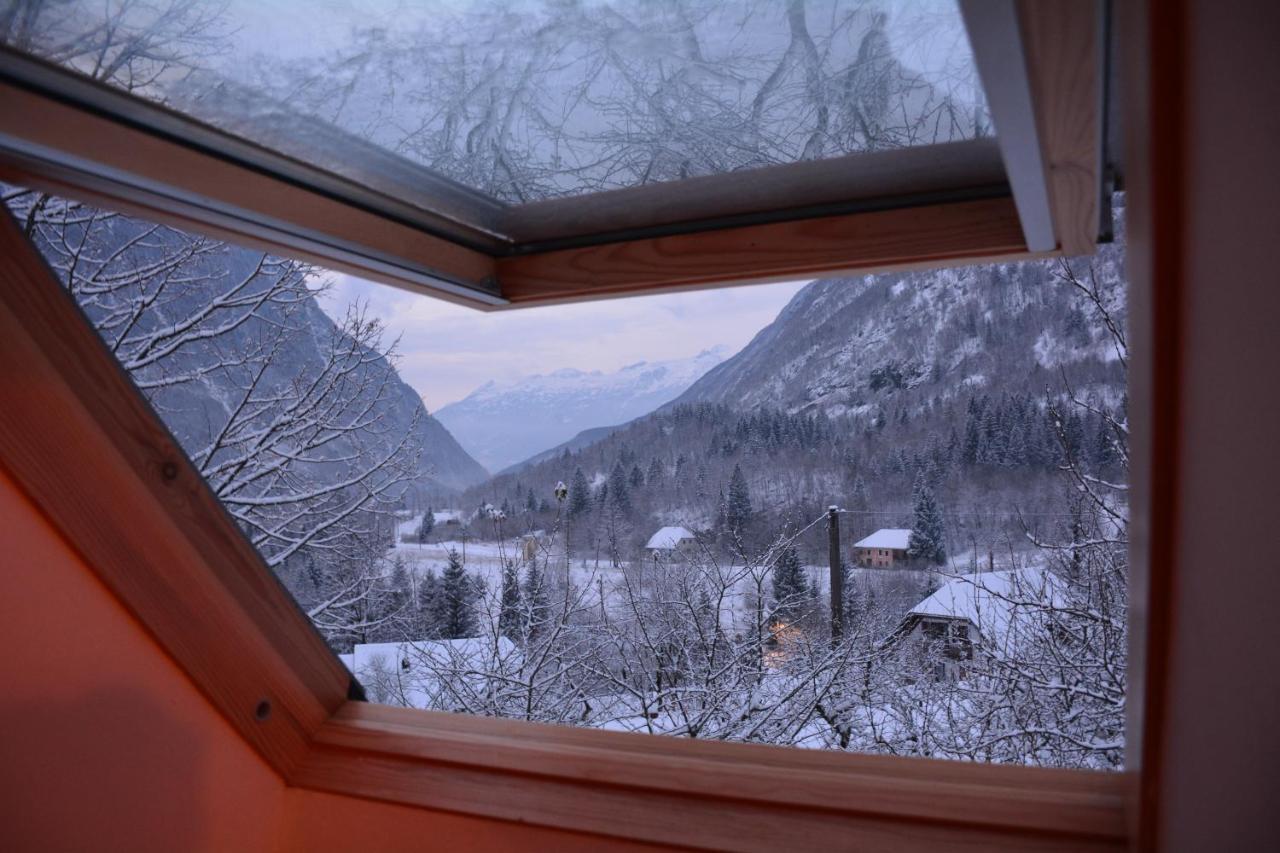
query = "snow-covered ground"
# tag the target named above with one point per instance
(597, 582)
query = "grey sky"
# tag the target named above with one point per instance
(447, 351)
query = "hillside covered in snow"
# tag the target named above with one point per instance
(862, 388)
(879, 346)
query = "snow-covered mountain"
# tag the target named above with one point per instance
(876, 346)
(221, 370)
(503, 423)
(194, 411)
(860, 389)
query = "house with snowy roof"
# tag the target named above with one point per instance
(434, 674)
(883, 549)
(672, 542)
(987, 613)
(448, 517)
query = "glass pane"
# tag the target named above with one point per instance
(537, 99)
(617, 515)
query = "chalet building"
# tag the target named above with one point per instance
(672, 542)
(447, 518)
(975, 613)
(408, 674)
(883, 549)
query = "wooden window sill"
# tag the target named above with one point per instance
(712, 795)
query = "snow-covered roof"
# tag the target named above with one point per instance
(446, 515)
(998, 604)
(366, 654)
(668, 538)
(887, 537)
(410, 673)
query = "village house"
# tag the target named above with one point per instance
(447, 517)
(672, 542)
(982, 613)
(883, 549)
(409, 674)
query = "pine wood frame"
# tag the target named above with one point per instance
(157, 537)
(155, 534)
(913, 207)
(163, 545)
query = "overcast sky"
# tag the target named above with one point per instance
(447, 351)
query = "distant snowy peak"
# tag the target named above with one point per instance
(506, 421)
(640, 377)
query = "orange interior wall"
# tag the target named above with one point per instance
(106, 745)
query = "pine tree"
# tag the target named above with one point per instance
(737, 509)
(854, 602)
(457, 592)
(790, 587)
(619, 492)
(656, 473)
(393, 608)
(1015, 455)
(537, 605)
(1104, 448)
(426, 526)
(989, 428)
(429, 606)
(636, 478)
(1073, 435)
(972, 447)
(860, 498)
(579, 494)
(511, 607)
(928, 532)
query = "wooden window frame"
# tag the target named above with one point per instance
(1032, 191)
(155, 534)
(157, 537)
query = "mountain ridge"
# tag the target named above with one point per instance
(504, 424)
(863, 388)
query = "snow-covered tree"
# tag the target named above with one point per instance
(511, 606)
(579, 494)
(425, 526)
(738, 510)
(928, 531)
(457, 599)
(619, 489)
(791, 591)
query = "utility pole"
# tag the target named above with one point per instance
(837, 575)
